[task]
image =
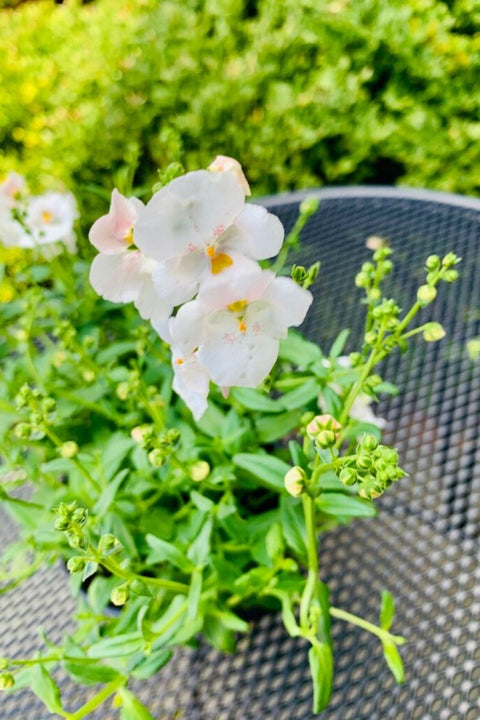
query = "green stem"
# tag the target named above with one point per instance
(121, 572)
(312, 578)
(80, 467)
(365, 625)
(96, 700)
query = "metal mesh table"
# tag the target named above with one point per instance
(424, 545)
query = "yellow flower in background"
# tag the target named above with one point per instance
(7, 292)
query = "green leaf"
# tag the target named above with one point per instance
(221, 637)
(387, 610)
(299, 351)
(271, 429)
(45, 687)
(268, 470)
(132, 708)
(151, 664)
(302, 396)
(116, 646)
(116, 350)
(232, 621)
(115, 451)
(107, 496)
(194, 594)
(204, 504)
(298, 456)
(274, 543)
(333, 503)
(199, 550)
(320, 658)
(91, 568)
(163, 551)
(339, 343)
(393, 660)
(90, 673)
(293, 525)
(256, 400)
(212, 422)
(329, 481)
(187, 630)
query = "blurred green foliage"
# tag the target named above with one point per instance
(303, 92)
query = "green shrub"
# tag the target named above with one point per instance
(304, 92)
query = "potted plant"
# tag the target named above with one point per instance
(178, 443)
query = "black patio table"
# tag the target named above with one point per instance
(423, 546)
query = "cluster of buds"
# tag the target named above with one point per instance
(372, 273)
(158, 447)
(374, 468)
(323, 430)
(303, 276)
(71, 520)
(39, 411)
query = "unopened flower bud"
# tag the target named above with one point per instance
(139, 587)
(88, 376)
(295, 481)
(374, 242)
(432, 262)
(322, 422)
(23, 430)
(119, 595)
(224, 163)
(375, 293)
(4, 663)
(326, 439)
(108, 543)
(348, 476)
(369, 442)
(387, 267)
(450, 275)
(75, 539)
(426, 294)
(122, 390)
(69, 449)
(79, 516)
(450, 260)
(362, 280)
(48, 405)
(139, 432)
(76, 564)
(7, 681)
(298, 274)
(370, 338)
(355, 359)
(433, 331)
(156, 457)
(199, 470)
(364, 462)
(309, 205)
(382, 253)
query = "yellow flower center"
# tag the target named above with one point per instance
(241, 326)
(219, 262)
(47, 217)
(237, 306)
(179, 361)
(129, 237)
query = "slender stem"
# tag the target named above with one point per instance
(80, 466)
(53, 658)
(116, 569)
(97, 700)
(365, 625)
(312, 578)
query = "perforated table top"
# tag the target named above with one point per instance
(423, 547)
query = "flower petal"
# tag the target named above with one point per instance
(191, 382)
(188, 214)
(256, 233)
(235, 357)
(117, 278)
(111, 233)
(289, 304)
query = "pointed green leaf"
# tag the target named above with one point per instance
(132, 708)
(301, 396)
(387, 610)
(273, 428)
(45, 687)
(151, 664)
(339, 343)
(333, 503)
(320, 658)
(268, 470)
(163, 551)
(393, 660)
(90, 673)
(256, 400)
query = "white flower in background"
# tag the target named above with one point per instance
(50, 218)
(12, 233)
(223, 163)
(120, 273)
(236, 322)
(196, 226)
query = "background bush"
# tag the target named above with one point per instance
(304, 92)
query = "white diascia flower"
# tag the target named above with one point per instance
(12, 232)
(234, 326)
(195, 228)
(50, 218)
(120, 273)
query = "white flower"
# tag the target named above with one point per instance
(191, 381)
(120, 273)
(224, 163)
(196, 226)
(12, 188)
(236, 322)
(50, 218)
(12, 233)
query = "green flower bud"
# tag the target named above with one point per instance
(426, 294)
(432, 262)
(48, 404)
(368, 268)
(375, 294)
(123, 390)
(88, 342)
(369, 442)
(69, 449)
(312, 273)
(62, 524)
(362, 280)
(309, 205)
(76, 564)
(120, 595)
(23, 430)
(355, 359)
(139, 587)
(295, 481)
(382, 253)
(450, 260)
(348, 476)
(370, 338)
(298, 274)
(433, 331)
(75, 539)
(200, 470)
(79, 516)
(326, 439)
(88, 375)
(108, 543)
(450, 275)
(156, 457)
(7, 681)
(387, 267)
(364, 462)
(4, 663)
